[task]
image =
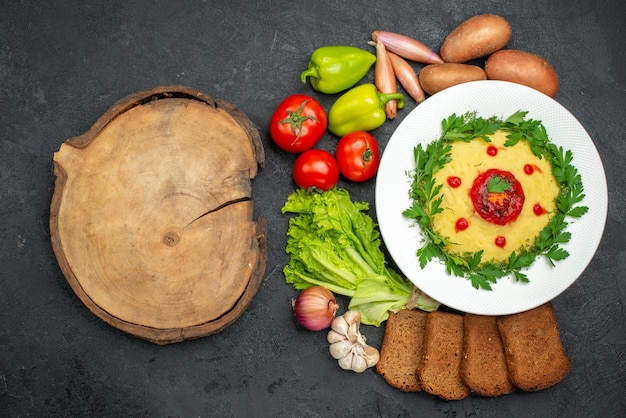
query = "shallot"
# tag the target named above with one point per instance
(315, 308)
(385, 79)
(407, 47)
(407, 77)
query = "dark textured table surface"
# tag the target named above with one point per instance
(64, 63)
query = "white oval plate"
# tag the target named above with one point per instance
(403, 237)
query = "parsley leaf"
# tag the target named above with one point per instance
(426, 196)
(467, 127)
(497, 184)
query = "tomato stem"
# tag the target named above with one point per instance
(296, 119)
(367, 155)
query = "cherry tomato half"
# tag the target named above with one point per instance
(298, 123)
(357, 156)
(316, 168)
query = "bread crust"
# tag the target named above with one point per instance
(483, 367)
(439, 372)
(534, 352)
(402, 349)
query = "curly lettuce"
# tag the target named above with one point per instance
(334, 243)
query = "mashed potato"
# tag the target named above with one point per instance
(470, 232)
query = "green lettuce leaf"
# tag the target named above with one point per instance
(334, 243)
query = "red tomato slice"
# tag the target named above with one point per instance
(316, 168)
(298, 123)
(357, 156)
(497, 196)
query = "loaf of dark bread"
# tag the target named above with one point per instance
(483, 367)
(402, 348)
(533, 349)
(439, 373)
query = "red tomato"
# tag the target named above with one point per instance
(357, 156)
(316, 168)
(298, 123)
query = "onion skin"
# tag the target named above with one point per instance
(385, 79)
(407, 77)
(407, 47)
(315, 308)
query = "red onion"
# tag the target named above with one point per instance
(315, 308)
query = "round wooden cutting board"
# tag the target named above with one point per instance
(152, 215)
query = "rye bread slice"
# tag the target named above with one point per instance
(483, 367)
(439, 372)
(402, 348)
(533, 349)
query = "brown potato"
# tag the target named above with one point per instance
(436, 77)
(523, 68)
(477, 37)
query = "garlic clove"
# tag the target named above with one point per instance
(346, 362)
(340, 325)
(353, 320)
(352, 317)
(335, 337)
(358, 350)
(372, 355)
(359, 364)
(360, 338)
(340, 349)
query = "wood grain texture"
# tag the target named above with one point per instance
(152, 217)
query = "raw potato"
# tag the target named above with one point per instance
(477, 37)
(523, 68)
(436, 77)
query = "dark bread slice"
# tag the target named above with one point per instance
(483, 367)
(401, 350)
(439, 372)
(533, 349)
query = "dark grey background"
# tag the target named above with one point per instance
(64, 63)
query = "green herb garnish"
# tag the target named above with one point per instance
(497, 184)
(426, 197)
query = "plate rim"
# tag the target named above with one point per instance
(454, 98)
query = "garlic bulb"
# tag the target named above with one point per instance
(348, 346)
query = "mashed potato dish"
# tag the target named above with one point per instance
(495, 198)
(491, 195)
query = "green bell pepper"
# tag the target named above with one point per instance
(361, 108)
(337, 68)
